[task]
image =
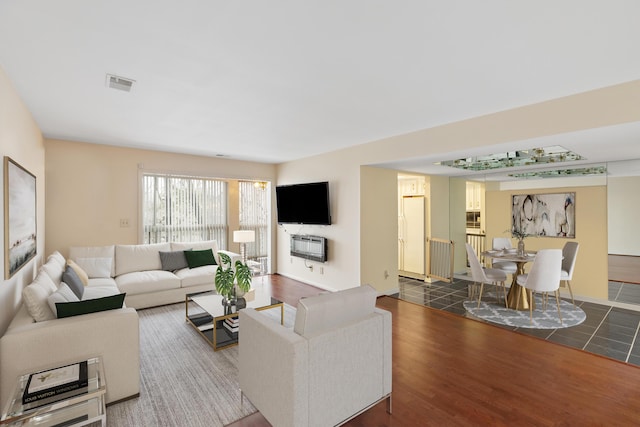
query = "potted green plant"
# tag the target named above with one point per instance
(227, 279)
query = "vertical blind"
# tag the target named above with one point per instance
(254, 215)
(184, 209)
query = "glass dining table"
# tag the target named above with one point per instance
(517, 297)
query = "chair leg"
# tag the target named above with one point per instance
(389, 405)
(570, 291)
(530, 306)
(480, 296)
(473, 288)
(504, 292)
(558, 304)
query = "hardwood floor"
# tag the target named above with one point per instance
(624, 268)
(450, 370)
(287, 290)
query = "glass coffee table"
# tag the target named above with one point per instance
(205, 312)
(82, 407)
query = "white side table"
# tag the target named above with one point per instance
(86, 408)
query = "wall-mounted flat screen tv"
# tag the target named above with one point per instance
(303, 203)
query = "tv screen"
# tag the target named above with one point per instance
(303, 203)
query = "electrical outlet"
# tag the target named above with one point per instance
(124, 222)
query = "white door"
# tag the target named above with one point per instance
(413, 238)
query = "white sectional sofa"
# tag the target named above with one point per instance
(36, 339)
(137, 270)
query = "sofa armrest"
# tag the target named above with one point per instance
(112, 334)
(273, 367)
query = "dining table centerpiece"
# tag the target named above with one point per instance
(520, 235)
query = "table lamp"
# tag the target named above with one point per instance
(243, 237)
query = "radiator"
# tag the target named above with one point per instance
(441, 260)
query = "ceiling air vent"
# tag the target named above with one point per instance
(119, 83)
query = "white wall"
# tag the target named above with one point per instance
(21, 140)
(342, 268)
(623, 206)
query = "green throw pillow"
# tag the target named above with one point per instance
(200, 258)
(76, 308)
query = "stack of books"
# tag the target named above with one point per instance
(49, 386)
(232, 324)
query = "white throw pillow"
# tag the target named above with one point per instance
(76, 252)
(35, 298)
(54, 270)
(63, 294)
(57, 256)
(96, 267)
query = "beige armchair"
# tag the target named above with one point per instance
(335, 364)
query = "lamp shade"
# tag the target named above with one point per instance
(244, 236)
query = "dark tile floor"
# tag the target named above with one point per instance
(609, 331)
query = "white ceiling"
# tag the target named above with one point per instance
(274, 81)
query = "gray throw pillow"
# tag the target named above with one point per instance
(172, 261)
(71, 278)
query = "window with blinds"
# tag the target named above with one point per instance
(184, 209)
(254, 215)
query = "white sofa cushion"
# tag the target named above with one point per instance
(133, 258)
(76, 252)
(140, 282)
(326, 311)
(35, 297)
(54, 270)
(197, 276)
(197, 246)
(57, 256)
(94, 292)
(96, 267)
(63, 294)
(102, 281)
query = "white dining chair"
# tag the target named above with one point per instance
(485, 275)
(544, 277)
(500, 243)
(569, 254)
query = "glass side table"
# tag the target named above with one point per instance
(85, 408)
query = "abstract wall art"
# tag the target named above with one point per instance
(548, 215)
(19, 217)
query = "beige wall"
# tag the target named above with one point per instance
(590, 275)
(378, 224)
(21, 140)
(623, 205)
(91, 187)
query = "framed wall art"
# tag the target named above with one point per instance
(20, 244)
(548, 215)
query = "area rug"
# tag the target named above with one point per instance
(493, 312)
(183, 382)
